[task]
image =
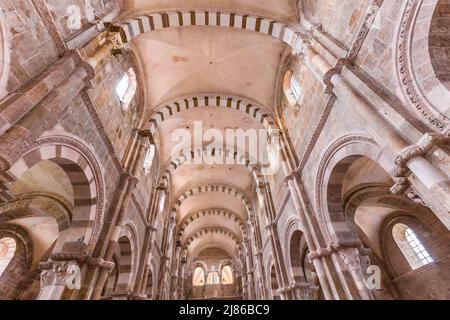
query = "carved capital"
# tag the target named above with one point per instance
(400, 186)
(416, 197)
(300, 45)
(102, 264)
(351, 259)
(57, 272)
(116, 36)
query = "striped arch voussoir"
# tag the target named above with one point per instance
(209, 213)
(169, 109)
(133, 27)
(240, 194)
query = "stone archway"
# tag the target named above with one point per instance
(423, 88)
(127, 251)
(149, 286)
(125, 266)
(210, 100)
(17, 256)
(135, 26)
(85, 174)
(335, 179)
(274, 282)
(296, 258)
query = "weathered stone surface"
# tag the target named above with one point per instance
(89, 123)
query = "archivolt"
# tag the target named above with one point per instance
(293, 224)
(213, 231)
(136, 26)
(83, 170)
(336, 158)
(226, 155)
(423, 94)
(236, 192)
(169, 109)
(129, 231)
(209, 213)
(23, 241)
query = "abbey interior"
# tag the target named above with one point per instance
(225, 149)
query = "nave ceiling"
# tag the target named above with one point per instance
(178, 62)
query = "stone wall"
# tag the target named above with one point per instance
(75, 120)
(30, 44)
(118, 125)
(340, 18)
(439, 42)
(72, 16)
(427, 282)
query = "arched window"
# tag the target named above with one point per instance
(274, 283)
(295, 88)
(227, 275)
(292, 89)
(149, 156)
(7, 250)
(295, 256)
(199, 277)
(411, 247)
(149, 285)
(126, 88)
(162, 202)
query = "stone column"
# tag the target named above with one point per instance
(175, 270)
(310, 231)
(141, 276)
(95, 59)
(255, 230)
(250, 274)
(434, 189)
(131, 186)
(350, 263)
(244, 281)
(272, 232)
(63, 275)
(143, 282)
(169, 229)
(59, 279)
(181, 280)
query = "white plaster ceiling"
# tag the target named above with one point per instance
(188, 60)
(284, 10)
(208, 200)
(212, 222)
(184, 61)
(210, 117)
(188, 176)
